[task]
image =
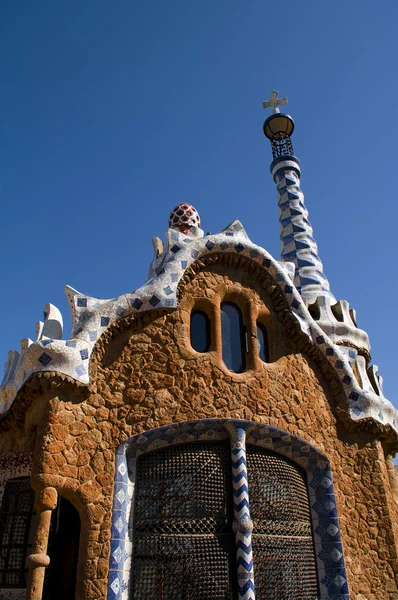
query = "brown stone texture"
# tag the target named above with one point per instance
(145, 374)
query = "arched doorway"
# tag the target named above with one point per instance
(63, 549)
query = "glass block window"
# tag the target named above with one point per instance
(200, 331)
(184, 547)
(262, 342)
(233, 338)
(283, 552)
(15, 527)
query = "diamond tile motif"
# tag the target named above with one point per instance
(84, 354)
(115, 586)
(119, 525)
(117, 554)
(336, 554)
(120, 496)
(81, 370)
(82, 302)
(104, 321)
(122, 469)
(332, 530)
(136, 303)
(154, 301)
(44, 359)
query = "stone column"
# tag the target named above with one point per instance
(46, 501)
(242, 524)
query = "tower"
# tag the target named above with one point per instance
(217, 433)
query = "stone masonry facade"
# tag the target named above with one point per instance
(144, 374)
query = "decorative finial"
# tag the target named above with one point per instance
(278, 127)
(183, 217)
(275, 102)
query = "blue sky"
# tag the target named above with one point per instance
(111, 113)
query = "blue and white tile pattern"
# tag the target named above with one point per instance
(91, 317)
(332, 578)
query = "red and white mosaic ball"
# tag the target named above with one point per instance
(183, 217)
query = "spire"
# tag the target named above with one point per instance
(297, 240)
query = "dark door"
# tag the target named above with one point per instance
(63, 550)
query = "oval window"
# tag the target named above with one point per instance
(200, 331)
(262, 342)
(233, 339)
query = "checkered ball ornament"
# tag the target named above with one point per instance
(183, 217)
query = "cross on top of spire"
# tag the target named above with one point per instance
(275, 102)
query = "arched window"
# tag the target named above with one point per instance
(262, 343)
(200, 331)
(184, 546)
(233, 337)
(283, 550)
(15, 526)
(198, 484)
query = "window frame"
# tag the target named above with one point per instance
(251, 316)
(13, 515)
(319, 481)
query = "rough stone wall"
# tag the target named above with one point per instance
(145, 374)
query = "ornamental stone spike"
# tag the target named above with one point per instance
(297, 240)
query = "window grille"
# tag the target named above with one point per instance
(183, 542)
(283, 553)
(15, 524)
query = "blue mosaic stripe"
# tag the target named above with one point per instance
(242, 524)
(297, 240)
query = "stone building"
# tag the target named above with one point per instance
(217, 434)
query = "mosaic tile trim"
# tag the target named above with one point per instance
(327, 540)
(91, 317)
(242, 525)
(296, 234)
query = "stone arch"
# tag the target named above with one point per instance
(331, 573)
